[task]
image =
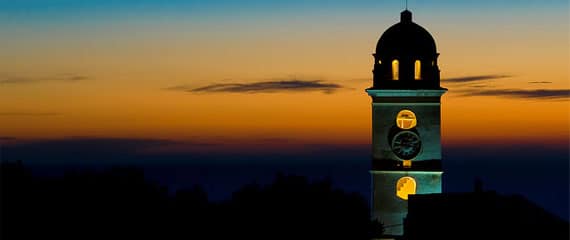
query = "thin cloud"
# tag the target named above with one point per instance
(98, 150)
(275, 140)
(7, 138)
(75, 147)
(542, 82)
(364, 79)
(479, 86)
(263, 87)
(471, 79)
(27, 80)
(29, 114)
(546, 94)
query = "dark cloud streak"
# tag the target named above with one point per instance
(79, 149)
(29, 114)
(471, 79)
(547, 94)
(479, 86)
(542, 82)
(263, 87)
(28, 80)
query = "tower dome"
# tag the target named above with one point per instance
(406, 57)
(406, 37)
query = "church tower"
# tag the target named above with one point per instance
(406, 119)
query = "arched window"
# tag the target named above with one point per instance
(418, 70)
(406, 119)
(405, 187)
(395, 70)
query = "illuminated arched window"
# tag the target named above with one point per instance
(418, 70)
(405, 187)
(406, 119)
(395, 70)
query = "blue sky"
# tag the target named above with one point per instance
(27, 8)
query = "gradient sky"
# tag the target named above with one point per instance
(108, 80)
(127, 68)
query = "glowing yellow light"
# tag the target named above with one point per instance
(405, 187)
(406, 119)
(395, 69)
(407, 163)
(418, 70)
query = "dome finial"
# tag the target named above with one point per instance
(406, 16)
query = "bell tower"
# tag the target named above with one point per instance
(406, 119)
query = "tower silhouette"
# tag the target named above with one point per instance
(406, 106)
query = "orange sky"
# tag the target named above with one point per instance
(123, 67)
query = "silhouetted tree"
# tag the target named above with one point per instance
(120, 203)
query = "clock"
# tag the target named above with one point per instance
(406, 145)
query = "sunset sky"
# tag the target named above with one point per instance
(78, 78)
(128, 69)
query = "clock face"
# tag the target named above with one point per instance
(406, 145)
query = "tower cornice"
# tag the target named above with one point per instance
(406, 92)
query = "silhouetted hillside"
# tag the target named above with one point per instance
(480, 215)
(120, 203)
